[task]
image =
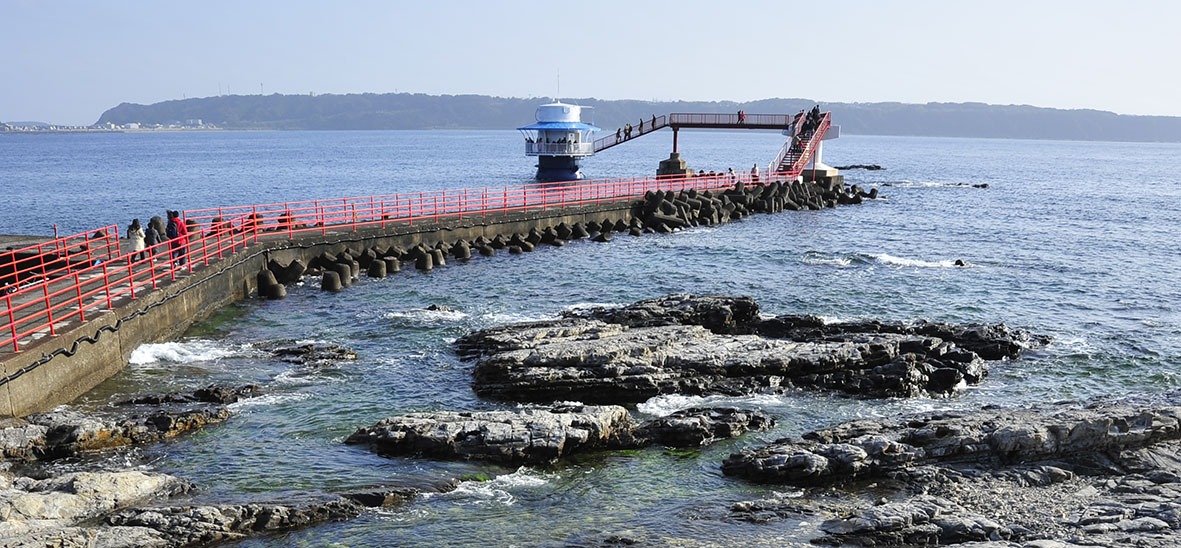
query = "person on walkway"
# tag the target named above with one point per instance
(741, 117)
(135, 233)
(178, 236)
(641, 125)
(152, 238)
(653, 121)
(618, 131)
(627, 131)
(754, 173)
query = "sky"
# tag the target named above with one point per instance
(67, 61)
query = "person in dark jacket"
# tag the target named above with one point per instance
(152, 238)
(178, 235)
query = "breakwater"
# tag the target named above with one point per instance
(57, 369)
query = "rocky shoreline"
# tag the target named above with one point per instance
(1100, 474)
(1058, 475)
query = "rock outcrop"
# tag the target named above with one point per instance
(532, 436)
(309, 354)
(107, 509)
(868, 449)
(686, 344)
(1101, 474)
(214, 393)
(59, 434)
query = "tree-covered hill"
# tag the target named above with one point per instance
(419, 111)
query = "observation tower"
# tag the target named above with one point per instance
(558, 139)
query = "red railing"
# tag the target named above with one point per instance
(794, 154)
(74, 289)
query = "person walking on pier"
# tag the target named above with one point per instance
(741, 117)
(135, 233)
(178, 235)
(754, 173)
(152, 238)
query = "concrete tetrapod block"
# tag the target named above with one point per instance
(424, 262)
(437, 257)
(345, 272)
(331, 281)
(376, 269)
(392, 265)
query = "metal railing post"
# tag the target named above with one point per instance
(130, 282)
(107, 284)
(78, 293)
(12, 323)
(48, 310)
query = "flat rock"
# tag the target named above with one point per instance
(535, 436)
(508, 437)
(866, 449)
(718, 344)
(591, 361)
(60, 434)
(214, 393)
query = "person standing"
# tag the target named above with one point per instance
(135, 233)
(178, 236)
(152, 238)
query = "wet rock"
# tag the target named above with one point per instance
(202, 525)
(508, 437)
(718, 313)
(214, 393)
(869, 449)
(591, 361)
(69, 433)
(652, 347)
(701, 426)
(309, 353)
(533, 436)
(923, 520)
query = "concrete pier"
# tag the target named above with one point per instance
(53, 370)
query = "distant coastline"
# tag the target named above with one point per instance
(370, 111)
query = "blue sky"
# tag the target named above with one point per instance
(67, 61)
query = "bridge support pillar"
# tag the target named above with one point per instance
(674, 166)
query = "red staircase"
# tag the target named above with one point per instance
(799, 149)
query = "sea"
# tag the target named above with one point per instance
(1076, 240)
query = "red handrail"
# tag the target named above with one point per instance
(72, 289)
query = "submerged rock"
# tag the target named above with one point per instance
(546, 435)
(214, 393)
(312, 354)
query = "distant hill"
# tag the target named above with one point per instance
(419, 111)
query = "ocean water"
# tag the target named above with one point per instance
(1074, 240)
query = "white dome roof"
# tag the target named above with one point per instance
(559, 112)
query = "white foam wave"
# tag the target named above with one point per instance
(926, 184)
(662, 406)
(590, 305)
(887, 259)
(197, 350)
(424, 316)
(500, 318)
(498, 490)
(821, 259)
(269, 399)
